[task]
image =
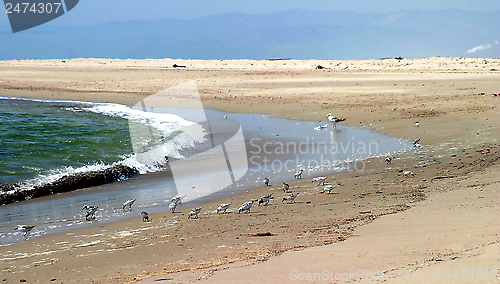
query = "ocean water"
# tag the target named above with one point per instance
(43, 140)
(40, 139)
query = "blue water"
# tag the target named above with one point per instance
(42, 140)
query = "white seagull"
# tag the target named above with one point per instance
(246, 206)
(194, 212)
(25, 229)
(265, 199)
(388, 160)
(319, 180)
(290, 197)
(128, 203)
(91, 211)
(266, 181)
(329, 188)
(334, 119)
(298, 174)
(286, 187)
(223, 207)
(145, 216)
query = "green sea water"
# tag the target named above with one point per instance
(40, 139)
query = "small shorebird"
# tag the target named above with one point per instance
(334, 119)
(298, 174)
(25, 229)
(90, 211)
(128, 203)
(290, 197)
(319, 180)
(88, 207)
(286, 187)
(408, 174)
(172, 206)
(145, 216)
(223, 207)
(329, 188)
(266, 181)
(265, 199)
(194, 212)
(246, 206)
(416, 143)
(177, 199)
(388, 160)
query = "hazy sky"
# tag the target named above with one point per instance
(89, 12)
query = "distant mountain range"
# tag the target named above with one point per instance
(297, 34)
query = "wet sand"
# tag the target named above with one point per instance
(450, 237)
(461, 133)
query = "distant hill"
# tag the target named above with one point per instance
(298, 34)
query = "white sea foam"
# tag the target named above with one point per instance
(165, 123)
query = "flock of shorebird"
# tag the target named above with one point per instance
(245, 207)
(176, 200)
(89, 214)
(264, 200)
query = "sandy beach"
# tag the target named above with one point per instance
(444, 218)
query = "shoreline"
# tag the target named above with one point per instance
(365, 196)
(71, 181)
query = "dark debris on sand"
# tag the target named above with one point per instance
(64, 184)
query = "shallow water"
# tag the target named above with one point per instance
(276, 148)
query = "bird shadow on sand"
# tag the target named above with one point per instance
(297, 202)
(249, 212)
